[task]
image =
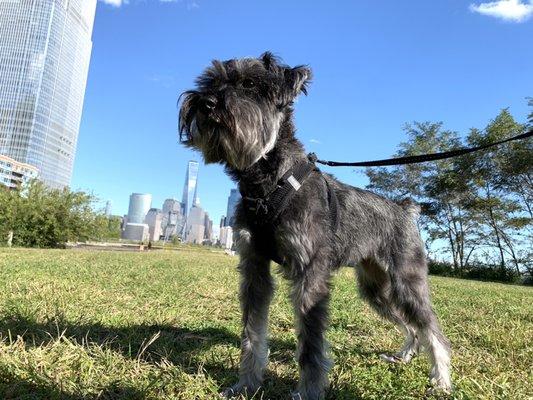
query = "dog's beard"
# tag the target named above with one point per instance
(239, 135)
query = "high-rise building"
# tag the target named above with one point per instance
(108, 208)
(233, 200)
(135, 227)
(208, 227)
(172, 218)
(13, 173)
(195, 226)
(171, 205)
(45, 49)
(153, 219)
(139, 205)
(190, 195)
(226, 237)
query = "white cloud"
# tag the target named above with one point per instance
(115, 3)
(508, 10)
(165, 80)
(189, 3)
(192, 5)
(315, 141)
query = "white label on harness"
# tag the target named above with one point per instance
(294, 182)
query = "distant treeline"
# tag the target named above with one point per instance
(477, 209)
(38, 216)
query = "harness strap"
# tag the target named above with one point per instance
(266, 210)
(333, 202)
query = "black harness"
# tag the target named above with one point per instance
(263, 212)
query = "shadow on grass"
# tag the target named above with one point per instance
(178, 345)
(13, 387)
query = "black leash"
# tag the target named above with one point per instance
(423, 157)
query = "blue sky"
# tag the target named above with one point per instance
(377, 65)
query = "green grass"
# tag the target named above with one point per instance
(165, 325)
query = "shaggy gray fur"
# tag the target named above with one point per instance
(240, 115)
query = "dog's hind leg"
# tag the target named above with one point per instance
(255, 295)
(375, 287)
(410, 295)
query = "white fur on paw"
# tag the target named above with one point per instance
(391, 358)
(439, 391)
(228, 393)
(296, 396)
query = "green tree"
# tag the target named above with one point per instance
(503, 180)
(43, 217)
(479, 205)
(439, 186)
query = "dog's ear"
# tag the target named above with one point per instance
(294, 80)
(297, 80)
(270, 61)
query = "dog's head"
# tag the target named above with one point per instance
(235, 113)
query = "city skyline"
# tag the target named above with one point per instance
(186, 220)
(45, 50)
(395, 69)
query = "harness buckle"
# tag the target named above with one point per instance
(259, 207)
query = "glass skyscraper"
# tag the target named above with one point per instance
(233, 200)
(190, 195)
(140, 204)
(45, 49)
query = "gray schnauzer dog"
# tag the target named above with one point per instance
(241, 115)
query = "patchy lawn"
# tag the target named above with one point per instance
(166, 324)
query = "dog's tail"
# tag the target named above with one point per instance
(411, 206)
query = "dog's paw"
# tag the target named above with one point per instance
(296, 396)
(228, 393)
(439, 391)
(237, 390)
(391, 358)
(312, 395)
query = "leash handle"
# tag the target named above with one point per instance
(423, 157)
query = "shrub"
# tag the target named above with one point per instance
(478, 271)
(40, 216)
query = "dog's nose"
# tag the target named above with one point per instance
(209, 103)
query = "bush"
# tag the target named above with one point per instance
(40, 216)
(479, 271)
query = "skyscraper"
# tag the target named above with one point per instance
(173, 219)
(135, 227)
(171, 205)
(208, 225)
(108, 208)
(189, 188)
(140, 203)
(233, 200)
(195, 227)
(153, 219)
(45, 48)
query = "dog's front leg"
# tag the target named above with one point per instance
(255, 295)
(311, 299)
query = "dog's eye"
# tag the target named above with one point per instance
(248, 84)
